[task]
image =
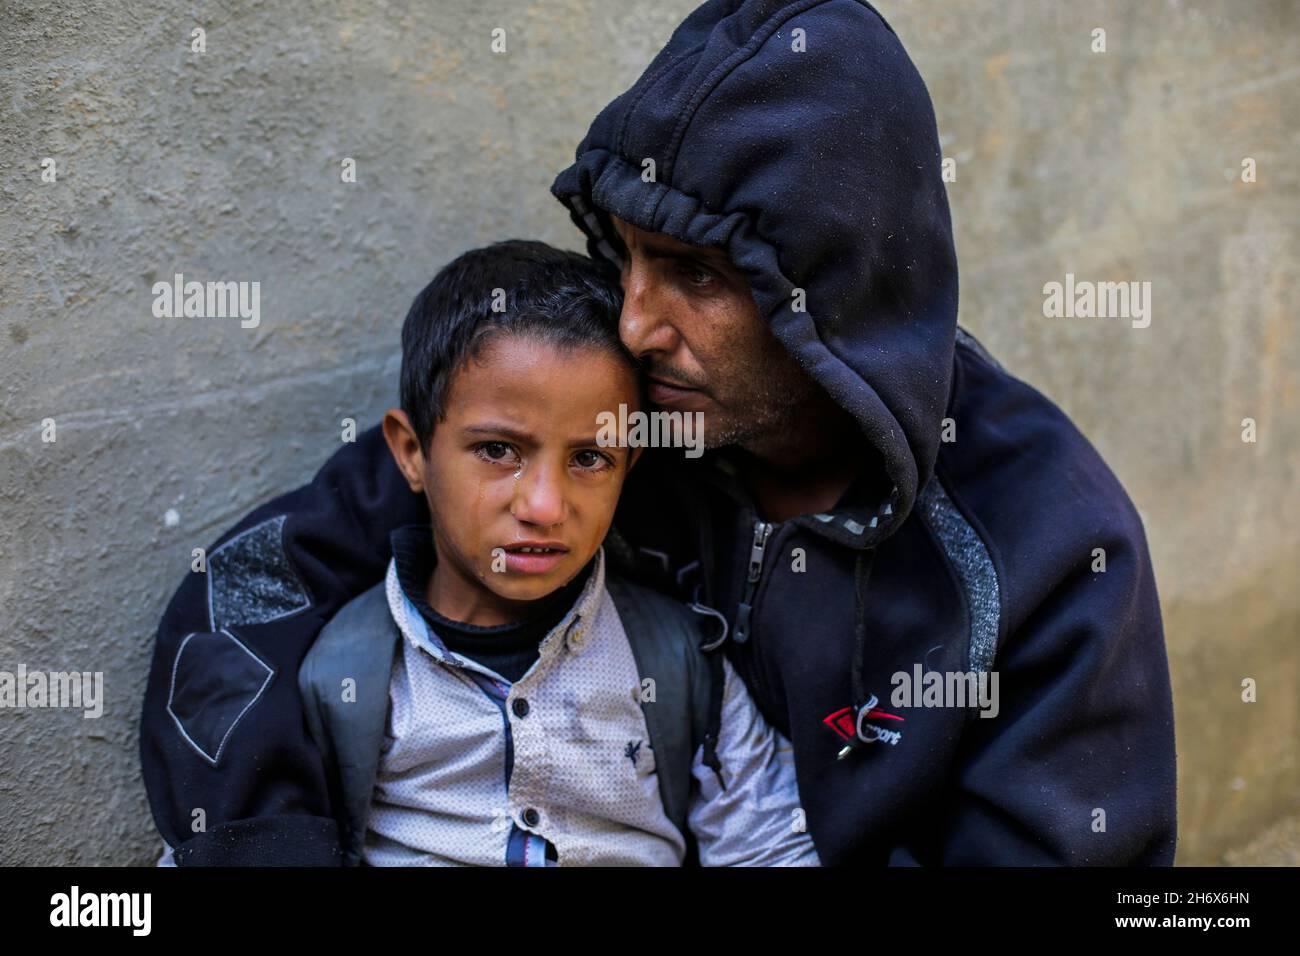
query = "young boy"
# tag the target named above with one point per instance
(539, 711)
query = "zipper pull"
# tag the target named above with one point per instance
(858, 740)
(761, 531)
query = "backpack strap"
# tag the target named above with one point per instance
(713, 721)
(685, 713)
(360, 643)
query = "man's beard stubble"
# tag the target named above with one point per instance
(771, 417)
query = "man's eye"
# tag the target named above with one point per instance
(592, 460)
(696, 275)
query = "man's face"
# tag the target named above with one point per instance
(514, 465)
(689, 316)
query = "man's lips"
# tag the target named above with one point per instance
(665, 391)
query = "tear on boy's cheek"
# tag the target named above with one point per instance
(659, 429)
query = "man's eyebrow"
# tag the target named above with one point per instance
(709, 257)
(651, 244)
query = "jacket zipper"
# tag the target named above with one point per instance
(762, 530)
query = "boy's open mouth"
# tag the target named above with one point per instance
(534, 557)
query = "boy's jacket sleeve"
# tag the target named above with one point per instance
(232, 774)
(1078, 766)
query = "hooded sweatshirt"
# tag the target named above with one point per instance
(799, 138)
(989, 544)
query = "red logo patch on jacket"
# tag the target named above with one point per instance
(845, 724)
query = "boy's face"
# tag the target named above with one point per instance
(515, 464)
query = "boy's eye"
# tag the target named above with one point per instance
(496, 451)
(593, 460)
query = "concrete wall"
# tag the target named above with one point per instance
(1121, 165)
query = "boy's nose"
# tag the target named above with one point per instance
(539, 495)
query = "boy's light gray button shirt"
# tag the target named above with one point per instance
(563, 753)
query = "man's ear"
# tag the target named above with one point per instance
(405, 446)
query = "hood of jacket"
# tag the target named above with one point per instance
(799, 137)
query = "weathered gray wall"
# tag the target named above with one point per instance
(1114, 166)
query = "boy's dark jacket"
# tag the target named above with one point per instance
(800, 138)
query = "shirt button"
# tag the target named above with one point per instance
(532, 817)
(520, 707)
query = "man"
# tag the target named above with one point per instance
(885, 516)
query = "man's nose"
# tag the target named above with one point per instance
(539, 495)
(643, 324)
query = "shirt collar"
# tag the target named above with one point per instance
(573, 625)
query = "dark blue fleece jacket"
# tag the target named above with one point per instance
(798, 137)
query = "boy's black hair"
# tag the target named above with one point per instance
(563, 297)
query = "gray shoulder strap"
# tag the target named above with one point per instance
(665, 638)
(347, 720)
